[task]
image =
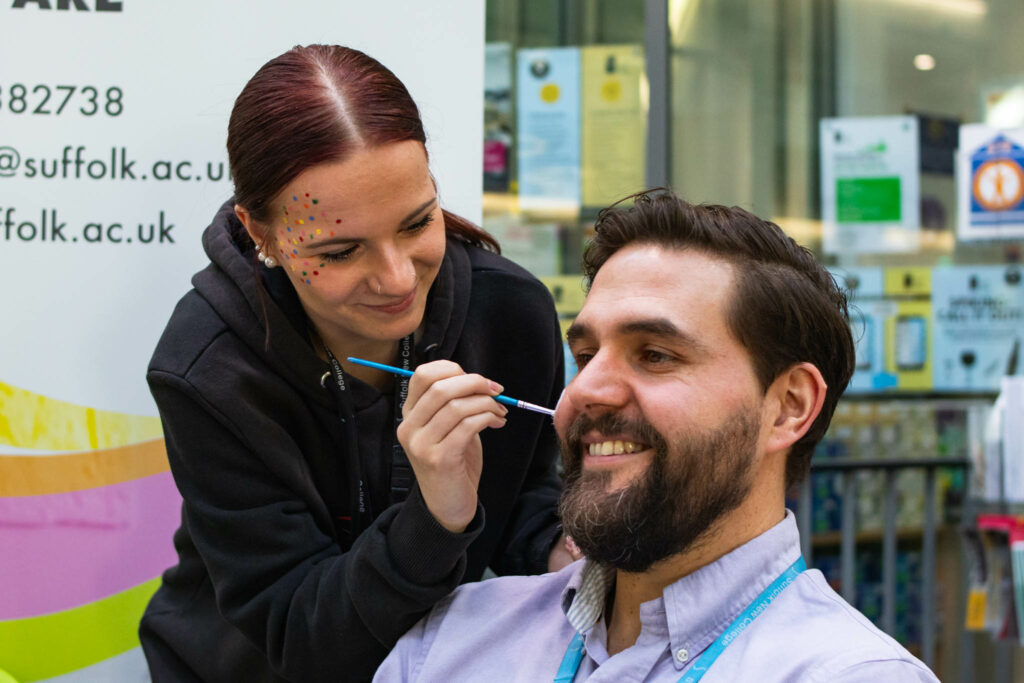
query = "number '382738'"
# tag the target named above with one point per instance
(61, 100)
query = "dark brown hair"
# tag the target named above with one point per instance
(786, 308)
(317, 104)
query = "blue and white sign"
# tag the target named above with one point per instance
(548, 104)
(990, 183)
(978, 320)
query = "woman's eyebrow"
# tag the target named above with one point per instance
(418, 210)
(342, 239)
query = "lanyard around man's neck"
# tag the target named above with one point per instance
(574, 653)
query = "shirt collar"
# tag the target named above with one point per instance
(701, 605)
(584, 596)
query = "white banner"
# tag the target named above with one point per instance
(113, 121)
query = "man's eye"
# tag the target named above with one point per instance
(652, 356)
(582, 358)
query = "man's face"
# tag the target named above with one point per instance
(662, 425)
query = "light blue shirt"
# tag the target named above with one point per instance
(517, 628)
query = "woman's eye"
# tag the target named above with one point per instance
(582, 359)
(338, 255)
(419, 225)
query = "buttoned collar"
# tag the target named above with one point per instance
(697, 608)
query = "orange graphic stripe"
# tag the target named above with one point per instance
(40, 475)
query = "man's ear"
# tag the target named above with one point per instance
(798, 394)
(250, 225)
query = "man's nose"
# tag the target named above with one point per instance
(602, 383)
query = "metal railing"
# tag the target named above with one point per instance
(848, 528)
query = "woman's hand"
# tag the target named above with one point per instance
(564, 552)
(444, 413)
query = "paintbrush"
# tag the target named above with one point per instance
(500, 398)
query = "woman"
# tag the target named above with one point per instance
(307, 546)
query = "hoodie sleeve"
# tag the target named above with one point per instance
(534, 525)
(316, 612)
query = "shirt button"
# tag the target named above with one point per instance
(682, 655)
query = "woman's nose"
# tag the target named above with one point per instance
(394, 273)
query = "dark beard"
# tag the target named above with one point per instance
(672, 507)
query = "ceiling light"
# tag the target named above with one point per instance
(924, 62)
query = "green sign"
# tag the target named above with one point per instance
(868, 200)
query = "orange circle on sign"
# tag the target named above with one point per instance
(998, 185)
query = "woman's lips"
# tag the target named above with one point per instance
(397, 307)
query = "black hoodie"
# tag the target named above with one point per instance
(270, 584)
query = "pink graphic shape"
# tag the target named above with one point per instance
(66, 550)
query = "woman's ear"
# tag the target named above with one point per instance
(798, 395)
(250, 225)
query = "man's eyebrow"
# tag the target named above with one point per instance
(576, 332)
(655, 327)
(664, 328)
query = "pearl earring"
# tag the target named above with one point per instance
(268, 261)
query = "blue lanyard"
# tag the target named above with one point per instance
(574, 653)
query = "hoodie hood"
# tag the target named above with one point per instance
(251, 299)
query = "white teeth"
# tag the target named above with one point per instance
(614, 448)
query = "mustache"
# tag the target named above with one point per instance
(608, 424)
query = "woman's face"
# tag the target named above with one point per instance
(362, 241)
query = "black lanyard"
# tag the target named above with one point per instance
(401, 470)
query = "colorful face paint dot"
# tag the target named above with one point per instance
(301, 222)
(295, 199)
(316, 272)
(305, 206)
(307, 194)
(311, 218)
(319, 231)
(295, 252)
(337, 221)
(316, 201)
(308, 282)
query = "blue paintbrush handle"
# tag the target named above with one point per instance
(500, 398)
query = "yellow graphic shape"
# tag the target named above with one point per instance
(549, 93)
(611, 91)
(31, 475)
(30, 420)
(43, 647)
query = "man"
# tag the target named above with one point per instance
(712, 350)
